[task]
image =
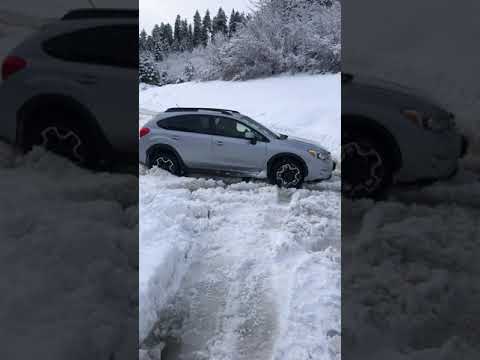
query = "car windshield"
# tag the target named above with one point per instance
(259, 127)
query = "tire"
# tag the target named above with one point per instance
(367, 168)
(63, 138)
(287, 173)
(166, 161)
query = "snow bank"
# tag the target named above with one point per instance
(170, 221)
(69, 259)
(411, 265)
(306, 106)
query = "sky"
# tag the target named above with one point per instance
(156, 11)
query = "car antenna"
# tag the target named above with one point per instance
(92, 4)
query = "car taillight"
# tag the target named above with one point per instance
(11, 65)
(144, 131)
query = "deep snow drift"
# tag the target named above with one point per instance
(411, 265)
(69, 260)
(235, 270)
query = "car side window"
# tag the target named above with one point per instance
(231, 128)
(199, 124)
(114, 45)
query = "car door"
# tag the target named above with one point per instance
(190, 135)
(232, 150)
(102, 60)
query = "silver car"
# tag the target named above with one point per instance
(225, 142)
(393, 134)
(51, 85)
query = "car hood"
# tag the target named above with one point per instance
(304, 143)
(413, 94)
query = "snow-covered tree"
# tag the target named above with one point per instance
(234, 22)
(279, 36)
(147, 71)
(197, 29)
(285, 35)
(142, 40)
(219, 23)
(206, 28)
(177, 33)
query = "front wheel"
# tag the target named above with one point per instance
(366, 167)
(287, 173)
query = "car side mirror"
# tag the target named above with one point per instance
(251, 136)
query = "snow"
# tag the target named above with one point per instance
(412, 274)
(237, 270)
(69, 259)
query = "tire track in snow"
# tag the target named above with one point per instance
(227, 292)
(231, 301)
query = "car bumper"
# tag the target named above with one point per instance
(430, 156)
(320, 173)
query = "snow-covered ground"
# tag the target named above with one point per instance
(69, 260)
(235, 270)
(411, 272)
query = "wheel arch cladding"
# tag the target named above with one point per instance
(373, 128)
(280, 156)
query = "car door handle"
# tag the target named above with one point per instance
(219, 143)
(175, 137)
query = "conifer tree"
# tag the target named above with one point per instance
(177, 33)
(197, 29)
(142, 40)
(206, 28)
(219, 23)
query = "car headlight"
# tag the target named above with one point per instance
(427, 121)
(322, 155)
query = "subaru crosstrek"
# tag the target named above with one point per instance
(393, 135)
(51, 84)
(225, 142)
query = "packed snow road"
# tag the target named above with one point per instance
(242, 270)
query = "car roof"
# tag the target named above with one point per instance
(207, 111)
(170, 114)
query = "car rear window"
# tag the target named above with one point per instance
(113, 45)
(187, 123)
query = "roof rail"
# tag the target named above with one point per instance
(184, 109)
(100, 14)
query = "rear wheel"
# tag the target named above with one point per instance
(287, 173)
(166, 161)
(366, 166)
(57, 135)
